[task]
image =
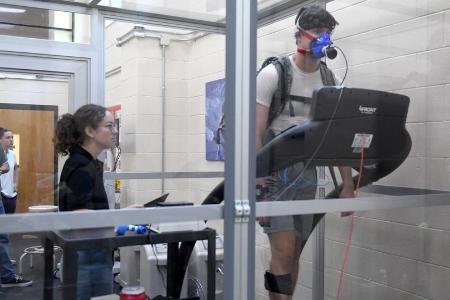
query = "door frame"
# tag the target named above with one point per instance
(38, 107)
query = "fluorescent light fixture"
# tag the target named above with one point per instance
(11, 10)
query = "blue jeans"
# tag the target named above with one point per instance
(6, 268)
(95, 276)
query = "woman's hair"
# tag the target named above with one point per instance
(70, 128)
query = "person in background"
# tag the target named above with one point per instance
(8, 276)
(83, 136)
(9, 180)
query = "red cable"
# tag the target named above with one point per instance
(349, 239)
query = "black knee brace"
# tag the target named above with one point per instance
(280, 284)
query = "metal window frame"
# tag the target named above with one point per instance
(75, 70)
(88, 57)
(38, 222)
(61, 5)
(239, 168)
(161, 20)
(159, 175)
(240, 165)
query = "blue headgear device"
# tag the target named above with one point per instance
(320, 46)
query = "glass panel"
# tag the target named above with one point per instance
(293, 181)
(44, 24)
(390, 85)
(158, 84)
(165, 124)
(84, 264)
(161, 120)
(207, 10)
(392, 254)
(29, 107)
(393, 243)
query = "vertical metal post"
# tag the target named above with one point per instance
(96, 81)
(318, 284)
(172, 264)
(163, 43)
(319, 248)
(211, 280)
(239, 213)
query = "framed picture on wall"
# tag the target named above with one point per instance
(214, 98)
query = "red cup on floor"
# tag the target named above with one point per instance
(133, 293)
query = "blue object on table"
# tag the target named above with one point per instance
(140, 229)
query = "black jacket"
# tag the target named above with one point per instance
(81, 183)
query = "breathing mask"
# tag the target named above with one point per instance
(320, 46)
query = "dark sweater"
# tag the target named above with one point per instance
(81, 183)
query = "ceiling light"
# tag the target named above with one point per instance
(11, 10)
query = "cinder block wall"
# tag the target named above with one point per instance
(138, 88)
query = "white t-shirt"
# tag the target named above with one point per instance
(303, 84)
(7, 179)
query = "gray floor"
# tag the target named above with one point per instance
(16, 245)
(35, 291)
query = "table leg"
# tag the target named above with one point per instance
(48, 268)
(172, 263)
(211, 271)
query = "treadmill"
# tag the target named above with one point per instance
(341, 123)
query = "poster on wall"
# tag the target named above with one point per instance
(214, 98)
(113, 155)
(116, 111)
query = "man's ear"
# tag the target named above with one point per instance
(297, 37)
(89, 131)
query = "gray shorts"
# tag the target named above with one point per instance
(291, 184)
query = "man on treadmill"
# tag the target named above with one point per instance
(304, 73)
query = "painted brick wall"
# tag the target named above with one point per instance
(138, 87)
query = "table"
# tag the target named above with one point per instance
(177, 257)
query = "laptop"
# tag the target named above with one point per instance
(156, 201)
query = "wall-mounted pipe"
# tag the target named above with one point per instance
(164, 43)
(141, 32)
